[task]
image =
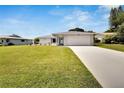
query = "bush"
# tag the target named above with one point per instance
(107, 39)
(121, 39)
(121, 34)
(110, 39)
(97, 40)
(10, 44)
(36, 40)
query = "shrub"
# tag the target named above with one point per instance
(121, 28)
(36, 40)
(107, 39)
(97, 40)
(10, 44)
(121, 39)
(110, 39)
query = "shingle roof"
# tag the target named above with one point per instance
(11, 37)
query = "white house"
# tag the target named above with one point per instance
(47, 40)
(75, 38)
(71, 38)
(14, 40)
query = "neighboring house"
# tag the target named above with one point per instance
(47, 40)
(110, 33)
(14, 40)
(100, 36)
(71, 38)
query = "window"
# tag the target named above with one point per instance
(2, 41)
(23, 40)
(54, 40)
(7, 40)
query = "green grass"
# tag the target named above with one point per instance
(42, 66)
(118, 47)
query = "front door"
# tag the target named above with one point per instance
(61, 41)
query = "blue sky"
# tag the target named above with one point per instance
(32, 21)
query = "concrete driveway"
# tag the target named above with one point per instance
(106, 65)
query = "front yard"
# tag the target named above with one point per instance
(118, 47)
(42, 66)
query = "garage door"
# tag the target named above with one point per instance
(77, 40)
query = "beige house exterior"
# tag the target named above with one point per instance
(74, 38)
(47, 40)
(14, 40)
(71, 38)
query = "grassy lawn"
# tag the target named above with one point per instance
(42, 66)
(118, 47)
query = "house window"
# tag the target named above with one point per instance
(7, 40)
(22, 40)
(54, 40)
(1, 40)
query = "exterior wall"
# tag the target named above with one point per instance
(0, 41)
(15, 42)
(99, 36)
(86, 40)
(45, 41)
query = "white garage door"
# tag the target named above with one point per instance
(77, 40)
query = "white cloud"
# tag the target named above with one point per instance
(77, 15)
(77, 18)
(106, 16)
(87, 20)
(14, 21)
(106, 8)
(111, 6)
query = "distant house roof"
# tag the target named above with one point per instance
(47, 37)
(13, 36)
(73, 33)
(110, 33)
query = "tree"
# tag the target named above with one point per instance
(77, 29)
(121, 33)
(120, 9)
(121, 28)
(120, 18)
(116, 18)
(113, 18)
(36, 40)
(116, 21)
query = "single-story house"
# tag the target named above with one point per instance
(71, 38)
(47, 40)
(14, 40)
(74, 38)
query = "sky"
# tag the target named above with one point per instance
(33, 21)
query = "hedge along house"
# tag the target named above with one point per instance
(47, 40)
(14, 40)
(75, 38)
